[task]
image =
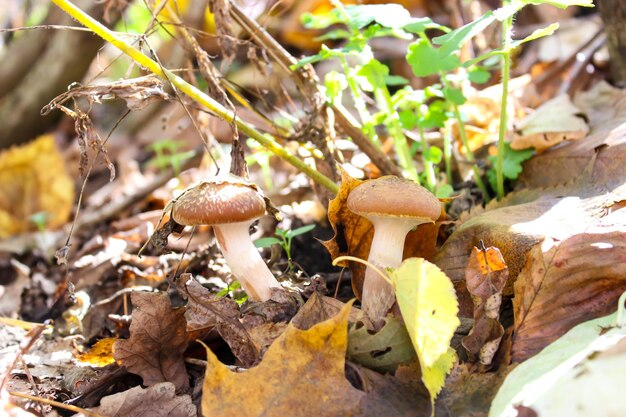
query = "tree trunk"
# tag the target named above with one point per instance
(614, 15)
(64, 58)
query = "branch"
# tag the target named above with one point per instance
(266, 140)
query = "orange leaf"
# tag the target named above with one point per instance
(100, 354)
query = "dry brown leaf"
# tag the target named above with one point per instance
(301, 373)
(567, 282)
(555, 121)
(33, 179)
(354, 233)
(401, 395)
(486, 275)
(137, 92)
(206, 311)
(565, 164)
(469, 394)
(159, 400)
(158, 339)
(604, 105)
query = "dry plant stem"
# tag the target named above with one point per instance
(53, 403)
(306, 77)
(506, 70)
(195, 94)
(244, 260)
(465, 142)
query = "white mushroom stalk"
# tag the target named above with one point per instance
(386, 252)
(244, 260)
(394, 206)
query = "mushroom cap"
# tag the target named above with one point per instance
(218, 202)
(394, 197)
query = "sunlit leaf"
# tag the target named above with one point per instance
(427, 60)
(429, 306)
(539, 33)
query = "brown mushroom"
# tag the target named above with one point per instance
(394, 206)
(230, 205)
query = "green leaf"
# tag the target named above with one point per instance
(372, 75)
(334, 34)
(433, 154)
(429, 307)
(453, 41)
(419, 26)
(563, 4)
(395, 80)
(266, 242)
(300, 231)
(535, 376)
(321, 21)
(408, 119)
(454, 95)
(479, 75)
(335, 83)
(444, 191)
(539, 33)
(512, 161)
(387, 15)
(383, 351)
(435, 116)
(427, 60)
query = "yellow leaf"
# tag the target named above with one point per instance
(33, 180)
(302, 373)
(429, 306)
(100, 354)
(434, 376)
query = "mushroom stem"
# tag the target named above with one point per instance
(244, 260)
(386, 252)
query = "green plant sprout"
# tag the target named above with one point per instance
(439, 57)
(167, 155)
(284, 238)
(40, 220)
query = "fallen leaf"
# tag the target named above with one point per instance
(468, 393)
(564, 164)
(402, 394)
(319, 308)
(485, 276)
(384, 350)
(568, 282)
(15, 279)
(99, 355)
(353, 233)
(206, 311)
(555, 121)
(159, 400)
(158, 339)
(563, 380)
(302, 370)
(33, 180)
(429, 308)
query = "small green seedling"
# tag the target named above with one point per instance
(167, 155)
(40, 220)
(283, 238)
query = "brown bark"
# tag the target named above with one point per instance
(613, 14)
(63, 59)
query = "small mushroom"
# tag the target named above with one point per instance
(394, 206)
(230, 205)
